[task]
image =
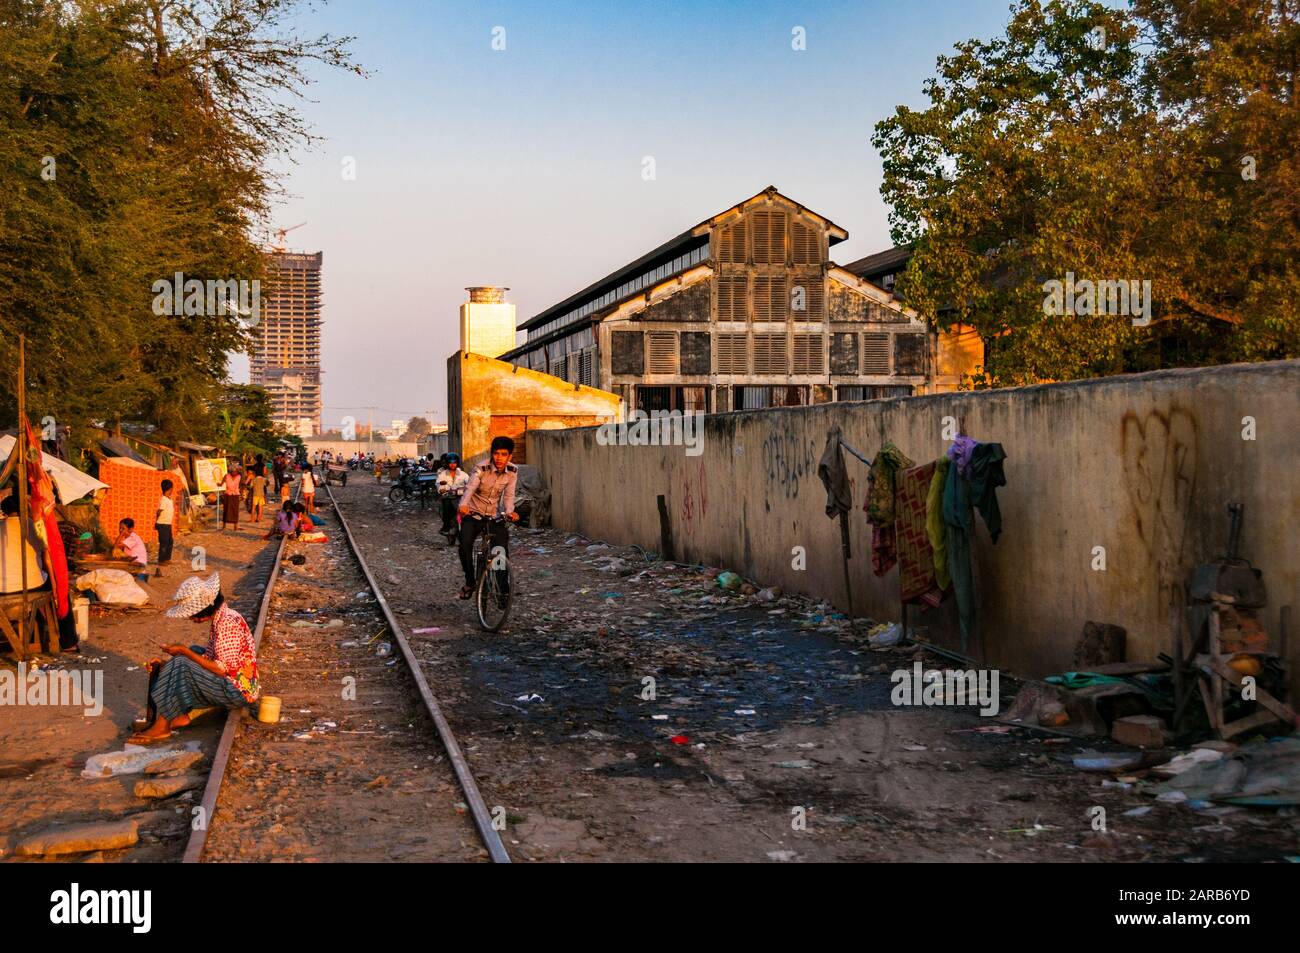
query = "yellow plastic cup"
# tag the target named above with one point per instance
(268, 709)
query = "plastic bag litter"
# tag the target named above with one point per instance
(132, 759)
(113, 587)
(891, 634)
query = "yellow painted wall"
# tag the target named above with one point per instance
(487, 329)
(488, 388)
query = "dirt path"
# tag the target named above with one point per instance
(43, 749)
(354, 770)
(770, 736)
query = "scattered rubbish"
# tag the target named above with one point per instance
(426, 630)
(915, 748)
(1139, 811)
(384, 649)
(132, 759)
(729, 581)
(680, 740)
(659, 717)
(1097, 761)
(885, 635)
(1183, 762)
(1258, 774)
(781, 856)
(532, 697)
(798, 763)
(745, 711)
(593, 735)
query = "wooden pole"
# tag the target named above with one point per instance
(21, 477)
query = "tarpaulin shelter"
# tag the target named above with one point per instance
(71, 483)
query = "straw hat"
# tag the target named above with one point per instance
(194, 595)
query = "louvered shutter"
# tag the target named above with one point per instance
(732, 297)
(663, 352)
(733, 358)
(770, 302)
(731, 242)
(770, 354)
(875, 353)
(808, 354)
(807, 250)
(769, 236)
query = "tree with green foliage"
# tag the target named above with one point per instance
(135, 141)
(1151, 144)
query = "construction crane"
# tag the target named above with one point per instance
(281, 232)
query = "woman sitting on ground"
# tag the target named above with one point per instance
(223, 674)
(286, 522)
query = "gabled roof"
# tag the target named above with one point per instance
(882, 262)
(670, 250)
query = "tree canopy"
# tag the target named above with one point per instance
(134, 144)
(1157, 143)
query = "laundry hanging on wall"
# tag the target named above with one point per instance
(973, 477)
(880, 506)
(916, 561)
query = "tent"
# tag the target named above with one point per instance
(72, 484)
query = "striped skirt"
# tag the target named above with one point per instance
(182, 685)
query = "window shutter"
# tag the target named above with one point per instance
(770, 303)
(875, 353)
(808, 354)
(559, 367)
(769, 354)
(732, 297)
(733, 358)
(731, 242)
(769, 236)
(807, 250)
(663, 352)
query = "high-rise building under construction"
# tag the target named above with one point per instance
(287, 358)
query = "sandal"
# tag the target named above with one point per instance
(143, 739)
(466, 592)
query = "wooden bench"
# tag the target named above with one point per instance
(26, 639)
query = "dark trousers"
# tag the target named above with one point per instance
(470, 527)
(448, 506)
(164, 543)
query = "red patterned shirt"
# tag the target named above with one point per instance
(230, 645)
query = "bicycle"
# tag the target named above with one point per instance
(492, 589)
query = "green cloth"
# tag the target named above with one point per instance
(880, 493)
(935, 527)
(960, 493)
(957, 517)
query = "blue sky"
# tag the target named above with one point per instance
(522, 167)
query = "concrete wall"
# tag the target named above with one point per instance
(1143, 465)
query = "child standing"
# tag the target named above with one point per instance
(259, 496)
(162, 524)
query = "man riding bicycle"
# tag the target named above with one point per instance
(490, 493)
(452, 481)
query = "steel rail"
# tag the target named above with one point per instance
(208, 804)
(477, 806)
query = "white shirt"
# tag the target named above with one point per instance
(308, 484)
(166, 508)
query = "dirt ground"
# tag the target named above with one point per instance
(43, 749)
(770, 735)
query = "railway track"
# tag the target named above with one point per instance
(362, 765)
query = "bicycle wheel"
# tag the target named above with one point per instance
(397, 494)
(493, 598)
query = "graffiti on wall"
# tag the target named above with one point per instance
(790, 460)
(695, 500)
(1159, 450)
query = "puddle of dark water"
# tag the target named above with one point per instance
(740, 660)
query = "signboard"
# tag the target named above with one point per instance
(208, 473)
